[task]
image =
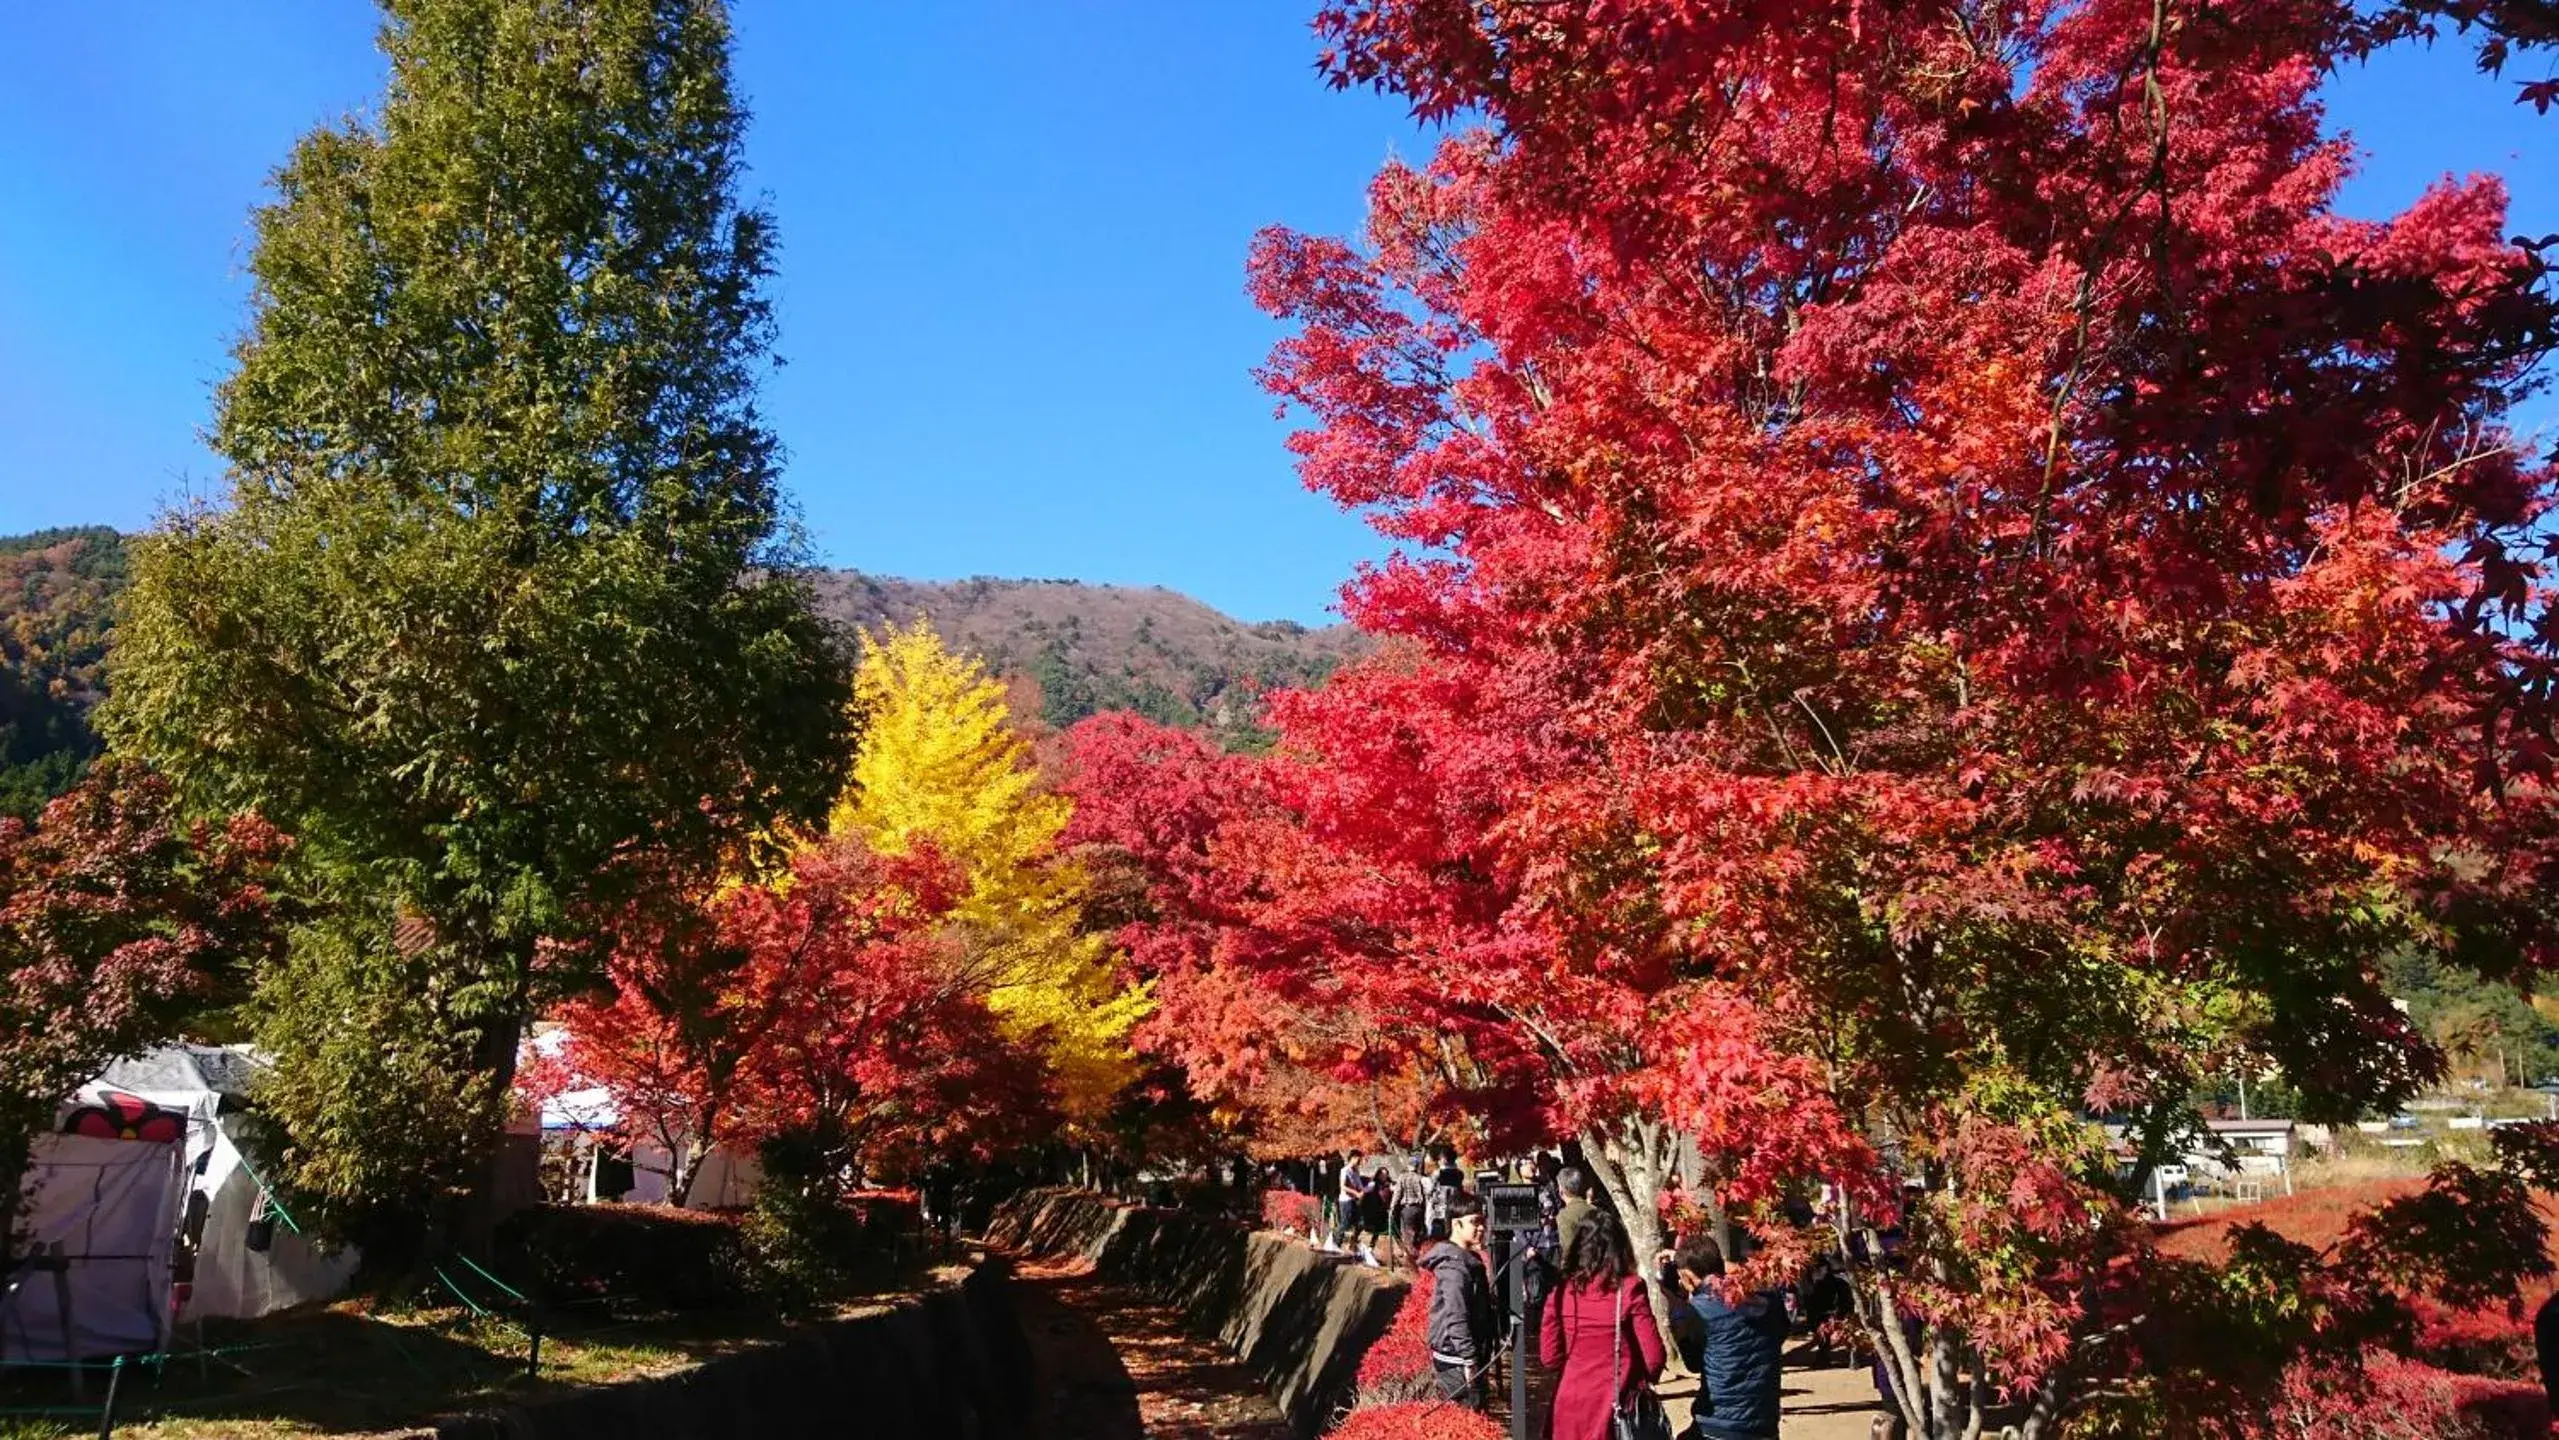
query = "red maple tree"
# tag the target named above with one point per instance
(2500, 28)
(1303, 1056)
(119, 921)
(1953, 590)
(827, 1006)
(1350, 911)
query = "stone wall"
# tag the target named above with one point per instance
(1299, 1320)
(951, 1364)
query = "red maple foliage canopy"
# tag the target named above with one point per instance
(826, 1006)
(118, 921)
(1951, 591)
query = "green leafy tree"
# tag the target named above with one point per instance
(377, 1111)
(2490, 1029)
(505, 609)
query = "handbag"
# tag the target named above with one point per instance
(1636, 1413)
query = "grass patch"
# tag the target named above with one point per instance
(629, 1293)
(354, 1368)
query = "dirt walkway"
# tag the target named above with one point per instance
(1111, 1366)
(1114, 1367)
(1833, 1404)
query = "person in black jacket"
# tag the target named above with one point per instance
(1461, 1332)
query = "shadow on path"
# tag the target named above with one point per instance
(1113, 1366)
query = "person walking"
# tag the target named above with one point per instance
(1446, 1185)
(1346, 1204)
(1597, 1327)
(1412, 1209)
(1822, 1297)
(1373, 1208)
(1737, 1349)
(1573, 1183)
(1460, 1329)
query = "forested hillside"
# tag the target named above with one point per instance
(1082, 648)
(1091, 648)
(57, 594)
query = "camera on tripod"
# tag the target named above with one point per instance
(1512, 1208)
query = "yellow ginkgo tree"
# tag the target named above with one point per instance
(940, 762)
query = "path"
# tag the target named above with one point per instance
(1834, 1404)
(1830, 1404)
(1113, 1366)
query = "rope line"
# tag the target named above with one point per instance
(492, 1279)
(461, 1294)
(266, 1192)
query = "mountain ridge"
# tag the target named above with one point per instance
(1089, 647)
(1068, 648)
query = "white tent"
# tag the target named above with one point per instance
(100, 1215)
(157, 1214)
(725, 1180)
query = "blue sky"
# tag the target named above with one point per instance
(1012, 280)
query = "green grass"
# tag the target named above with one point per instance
(352, 1369)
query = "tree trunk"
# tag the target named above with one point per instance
(1882, 1316)
(1630, 1160)
(1938, 1389)
(493, 1055)
(1694, 1179)
(683, 1166)
(1945, 1413)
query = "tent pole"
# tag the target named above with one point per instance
(107, 1415)
(61, 1268)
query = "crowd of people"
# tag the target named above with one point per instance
(1590, 1320)
(1383, 1212)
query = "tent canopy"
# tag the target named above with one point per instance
(144, 1189)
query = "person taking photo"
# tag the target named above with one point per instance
(1734, 1348)
(1460, 1331)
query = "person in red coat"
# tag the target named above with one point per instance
(1598, 1315)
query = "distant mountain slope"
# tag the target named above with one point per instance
(1104, 647)
(1084, 648)
(57, 609)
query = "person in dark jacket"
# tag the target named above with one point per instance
(1446, 1185)
(1823, 1296)
(1573, 1183)
(1734, 1349)
(1461, 1331)
(1374, 1211)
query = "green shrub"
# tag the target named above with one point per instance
(646, 1257)
(810, 1239)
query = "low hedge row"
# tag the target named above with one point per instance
(654, 1257)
